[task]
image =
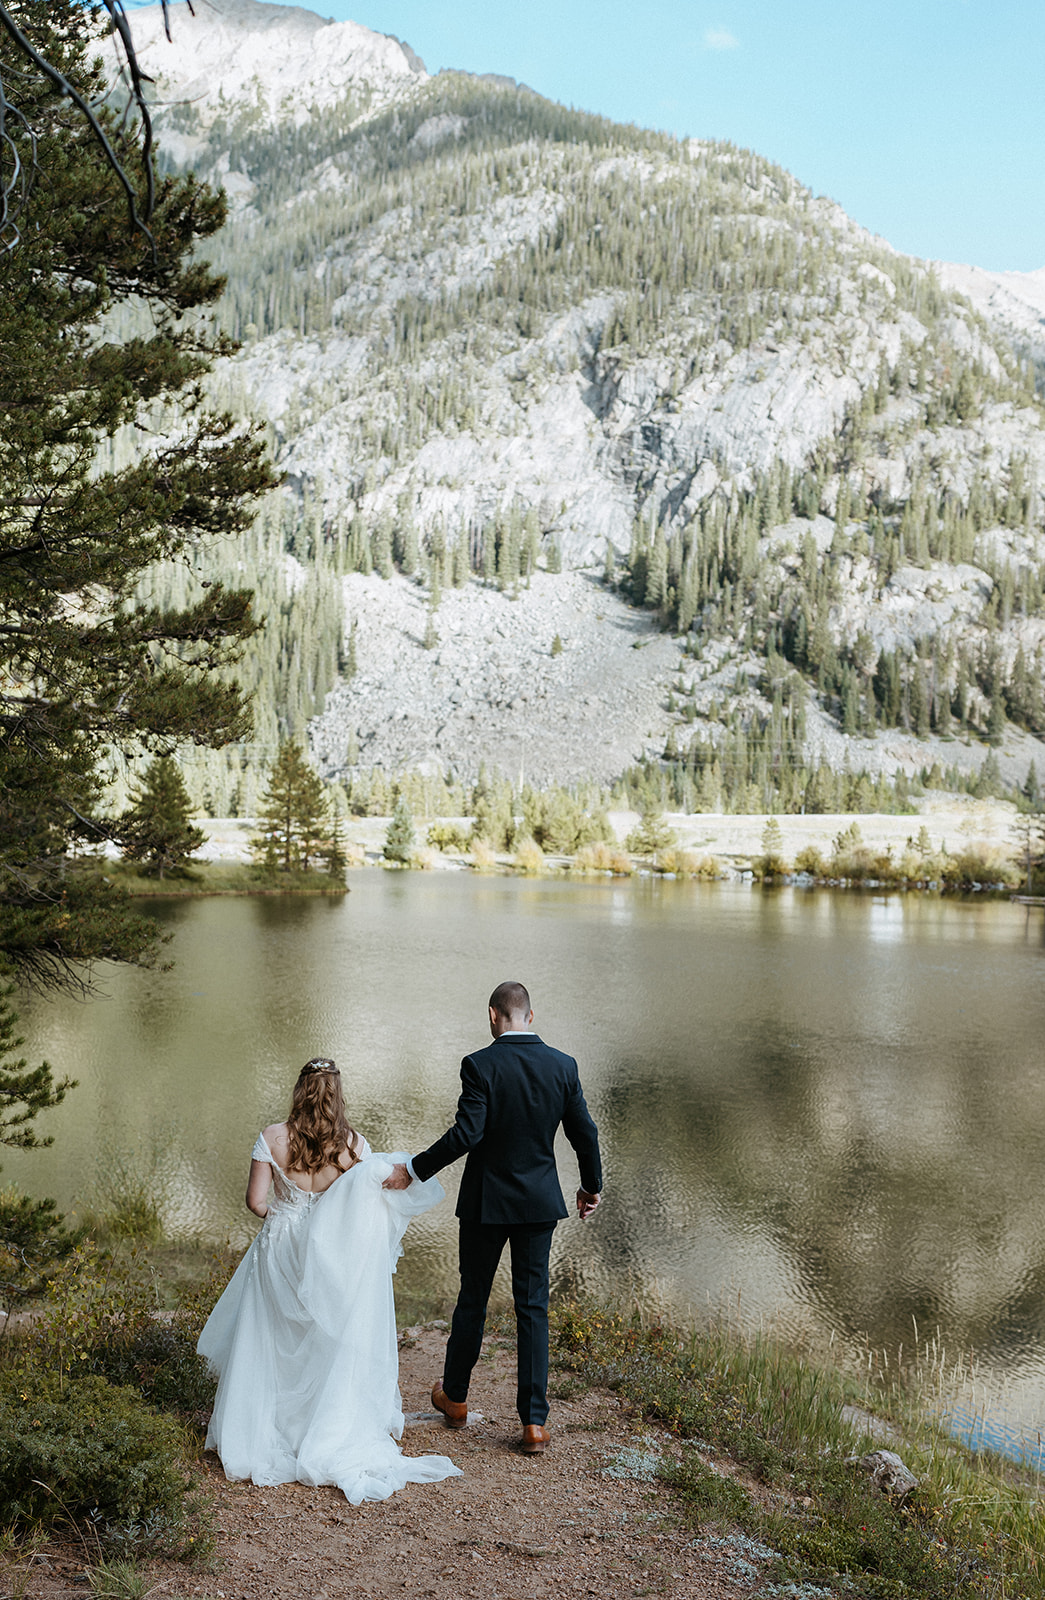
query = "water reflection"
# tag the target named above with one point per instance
(824, 1109)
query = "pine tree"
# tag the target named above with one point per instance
(293, 816)
(492, 812)
(657, 571)
(85, 664)
(399, 839)
(24, 1090)
(996, 720)
(348, 665)
(850, 702)
(381, 547)
(919, 703)
(156, 828)
(651, 836)
(771, 863)
(332, 853)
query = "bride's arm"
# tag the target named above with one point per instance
(273, 1139)
(258, 1188)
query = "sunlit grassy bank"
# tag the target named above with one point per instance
(222, 877)
(769, 1442)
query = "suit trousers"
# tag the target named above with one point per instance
(480, 1245)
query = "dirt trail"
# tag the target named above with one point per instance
(585, 1519)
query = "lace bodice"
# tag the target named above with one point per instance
(285, 1192)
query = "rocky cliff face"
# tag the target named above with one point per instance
(488, 336)
(241, 62)
(1012, 302)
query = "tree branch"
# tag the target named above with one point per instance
(20, 181)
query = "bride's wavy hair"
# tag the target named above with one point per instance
(317, 1127)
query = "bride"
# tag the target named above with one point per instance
(303, 1340)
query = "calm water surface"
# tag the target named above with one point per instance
(821, 1111)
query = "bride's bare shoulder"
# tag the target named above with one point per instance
(275, 1136)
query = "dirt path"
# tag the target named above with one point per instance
(585, 1519)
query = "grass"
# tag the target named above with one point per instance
(118, 1580)
(222, 877)
(974, 1529)
(131, 1193)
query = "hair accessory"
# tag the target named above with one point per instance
(318, 1064)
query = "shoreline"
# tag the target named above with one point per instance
(951, 821)
(895, 852)
(692, 1456)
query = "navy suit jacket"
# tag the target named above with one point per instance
(514, 1096)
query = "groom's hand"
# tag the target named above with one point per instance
(586, 1203)
(398, 1178)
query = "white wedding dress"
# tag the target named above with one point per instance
(303, 1340)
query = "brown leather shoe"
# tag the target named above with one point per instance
(535, 1439)
(455, 1412)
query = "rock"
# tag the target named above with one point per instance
(535, 717)
(887, 1472)
(865, 1423)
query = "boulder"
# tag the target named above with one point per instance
(887, 1472)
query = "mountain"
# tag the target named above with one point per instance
(1014, 302)
(535, 376)
(266, 65)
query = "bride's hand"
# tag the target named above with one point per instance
(398, 1178)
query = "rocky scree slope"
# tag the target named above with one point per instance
(489, 335)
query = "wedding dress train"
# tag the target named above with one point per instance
(304, 1340)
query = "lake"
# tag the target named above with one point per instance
(821, 1112)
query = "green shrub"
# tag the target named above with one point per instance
(710, 1497)
(771, 866)
(963, 1535)
(978, 866)
(529, 858)
(855, 862)
(32, 1241)
(93, 1452)
(103, 1319)
(449, 836)
(686, 864)
(91, 1300)
(602, 857)
(161, 1362)
(810, 859)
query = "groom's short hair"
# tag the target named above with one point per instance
(510, 1000)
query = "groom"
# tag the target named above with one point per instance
(514, 1096)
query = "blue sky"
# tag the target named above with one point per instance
(925, 119)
